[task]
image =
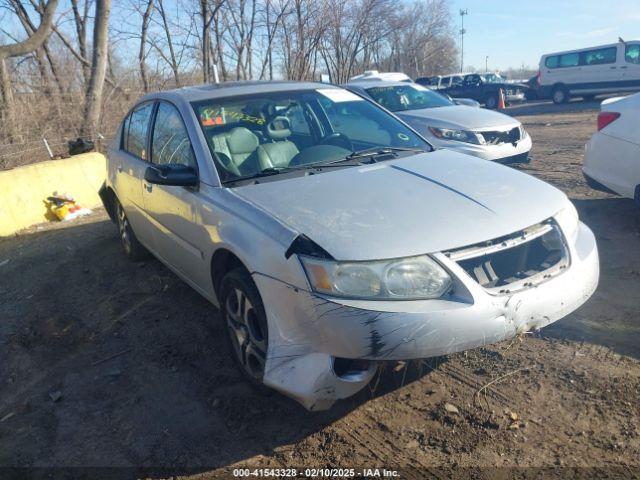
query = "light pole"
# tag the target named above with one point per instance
(463, 12)
(486, 64)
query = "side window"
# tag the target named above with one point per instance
(472, 80)
(600, 56)
(632, 53)
(170, 142)
(569, 60)
(551, 62)
(135, 130)
(456, 81)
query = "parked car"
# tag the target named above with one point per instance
(531, 93)
(484, 88)
(461, 101)
(385, 76)
(612, 155)
(441, 82)
(474, 131)
(587, 72)
(331, 236)
(432, 83)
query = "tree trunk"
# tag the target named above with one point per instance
(7, 107)
(146, 17)
(93, 102)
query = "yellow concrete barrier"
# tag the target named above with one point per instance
(24, 190)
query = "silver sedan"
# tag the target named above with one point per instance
(332, 237)
(448, 123)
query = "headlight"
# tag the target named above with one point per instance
(568, 220)
(398, 279)
(458, 135)
(523, 133)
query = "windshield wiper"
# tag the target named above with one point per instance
(277, 170)
(369, 152)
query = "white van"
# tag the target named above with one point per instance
(613, 68)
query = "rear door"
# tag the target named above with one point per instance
(130, 162)
(172, 209)
(456, 89)
(563, 69)
(630, 66)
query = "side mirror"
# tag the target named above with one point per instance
(176, 175)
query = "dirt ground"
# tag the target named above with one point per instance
(107, 363)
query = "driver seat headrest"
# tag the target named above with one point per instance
(279, 128)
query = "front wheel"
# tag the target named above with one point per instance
(246, 323)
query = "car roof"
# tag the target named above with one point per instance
(595, 47)
(229, 89)
(375, 83)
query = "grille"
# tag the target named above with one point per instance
(517, 261)
(498, 138)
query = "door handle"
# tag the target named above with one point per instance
(148, 187)
(624, 66)
(613, 68)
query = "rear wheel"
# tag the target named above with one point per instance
(246, 323)
(560, 95)
(491, 101)
(130, 243)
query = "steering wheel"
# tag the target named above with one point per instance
(337, 139)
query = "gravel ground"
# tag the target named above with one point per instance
(107, 363)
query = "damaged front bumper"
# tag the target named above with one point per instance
(309, 333)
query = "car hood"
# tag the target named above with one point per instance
(460, 116)
(409, 206)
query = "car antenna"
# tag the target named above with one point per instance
(216, 78)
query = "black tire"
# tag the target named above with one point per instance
(560, 95)
(130, 243)
(246, 324)
(491, 101)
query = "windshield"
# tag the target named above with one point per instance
(260, 133)
(407, 97)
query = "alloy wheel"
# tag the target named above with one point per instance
(124, 229)
(248, 333)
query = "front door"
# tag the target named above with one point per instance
(171, 209)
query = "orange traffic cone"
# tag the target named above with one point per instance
(501, 105)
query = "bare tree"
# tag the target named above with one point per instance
(142, 55)
(171, 60)
(31, 43)
(93, 101)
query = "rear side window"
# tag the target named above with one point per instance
(551, 62)
(632, 54)
(170, 141)
(563, 61)
(135, 129)
(599, 57)
(569, 60)
(456, 81)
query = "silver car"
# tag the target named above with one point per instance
(332, 237)
(447, 124)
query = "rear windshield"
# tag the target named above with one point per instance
(407, 97)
